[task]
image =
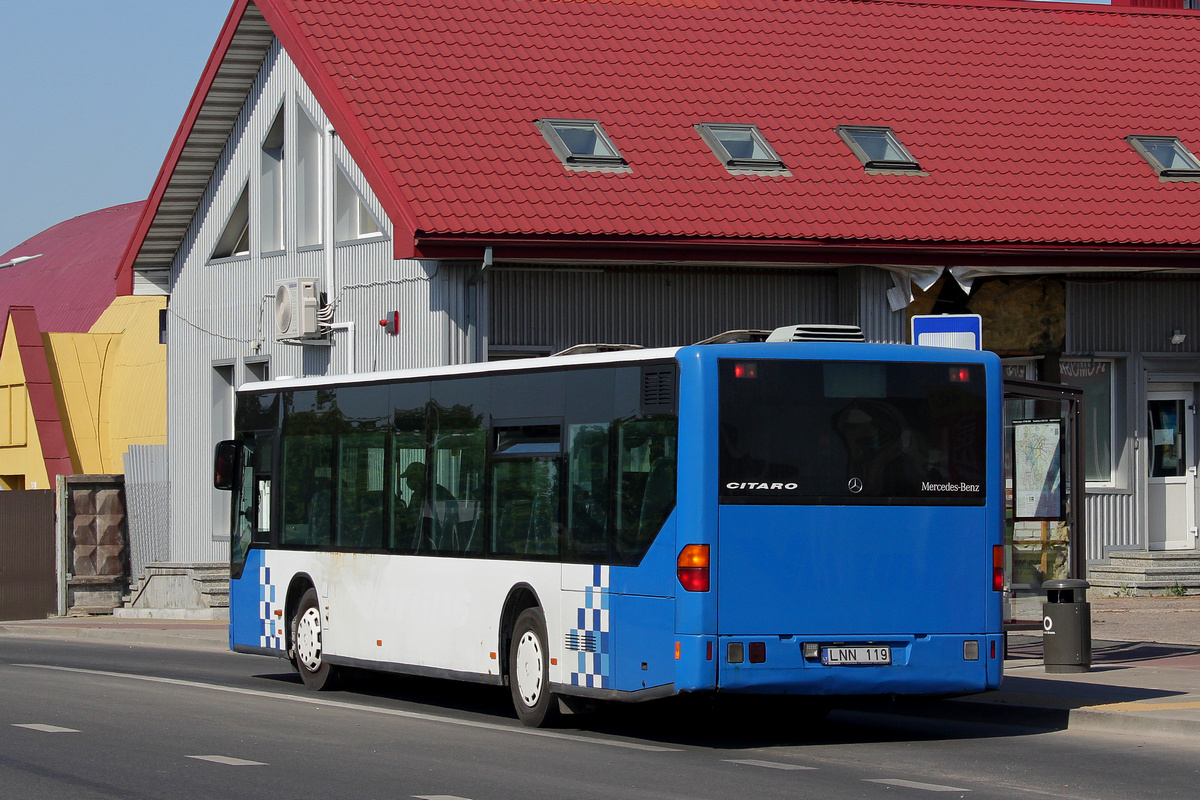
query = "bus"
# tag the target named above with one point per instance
(787, 518)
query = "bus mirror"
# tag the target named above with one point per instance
(225, 465)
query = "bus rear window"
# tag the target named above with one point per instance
(851, 432)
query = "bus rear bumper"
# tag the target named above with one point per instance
(934, 664)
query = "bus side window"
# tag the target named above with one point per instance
(459, 456)
(587, 491)
(307, 487)
(360, 492)
(646, 470)
(526, 491)
(408, 470)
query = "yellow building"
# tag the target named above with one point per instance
(82, 372)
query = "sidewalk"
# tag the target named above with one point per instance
(187, 634)
(1145, 676)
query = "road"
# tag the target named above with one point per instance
(85, 720)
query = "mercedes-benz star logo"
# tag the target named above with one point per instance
(855, 485)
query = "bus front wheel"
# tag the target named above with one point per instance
(308, 645)
(529, 671)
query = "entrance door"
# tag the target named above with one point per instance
(1171, 485)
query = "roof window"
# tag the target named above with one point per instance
(740, 147)
(1167, 155)
(878, 148)
(581, 143)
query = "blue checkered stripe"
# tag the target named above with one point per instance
(268, 636)
(593, 665)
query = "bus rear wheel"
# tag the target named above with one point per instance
(529, 671)
(308, 645)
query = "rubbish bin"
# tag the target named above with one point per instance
(1066, 627)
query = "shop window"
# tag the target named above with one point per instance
(1095, 377)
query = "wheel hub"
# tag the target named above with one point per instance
(528, 669)
(308, 639)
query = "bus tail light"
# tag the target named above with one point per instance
(693, 566)
(998, 568)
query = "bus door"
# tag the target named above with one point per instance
(252, 623)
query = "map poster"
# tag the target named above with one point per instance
(1037, 469)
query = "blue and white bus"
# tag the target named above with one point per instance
(818, 518)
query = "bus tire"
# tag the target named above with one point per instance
(309, 646)
(529, 671)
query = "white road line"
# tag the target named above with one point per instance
(438, 797)
(229, 761)
(390, 712)
(929, 787)
(38, 726)
(751, 762)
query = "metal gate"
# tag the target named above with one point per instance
(28, 586)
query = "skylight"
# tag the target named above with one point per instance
(1167, 155)
(740, 147)
(581, 143)
(877, 147)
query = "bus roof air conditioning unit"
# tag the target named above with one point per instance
(296, 303)
(817, 333)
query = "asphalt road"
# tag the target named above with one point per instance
(85, 720)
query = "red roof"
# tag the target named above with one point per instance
(1017, 111)
(72, 282)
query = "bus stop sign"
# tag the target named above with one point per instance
(962, 331)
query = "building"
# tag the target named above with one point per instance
(81, 368)
(498, 179)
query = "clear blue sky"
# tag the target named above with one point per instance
(91, 94)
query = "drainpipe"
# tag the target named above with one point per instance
(327, 219)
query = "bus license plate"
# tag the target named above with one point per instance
(833, 656)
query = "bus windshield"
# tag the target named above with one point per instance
(852, 432)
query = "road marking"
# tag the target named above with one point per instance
(751, 762)
(929, 787)
(390, 712)
(229, 761)
(438, 797)
(38, 726)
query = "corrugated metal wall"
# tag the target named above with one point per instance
(1132, 315)
(653, 308)
(147, 497)
(221, 313)
(1130, 319)
(27, 575)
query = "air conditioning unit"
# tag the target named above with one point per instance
(296, 304)
(817, 333)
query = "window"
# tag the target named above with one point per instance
(308, 181)
(1096, 380)
(271, 188)
(581, 143)
(525, 490)
(877, 148)
(235, 239)
(847, 432)
(12, 415)
(1167, 156)
(352, 220)
(740, 147)
(443, 468)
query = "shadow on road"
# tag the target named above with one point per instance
(725, 722)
